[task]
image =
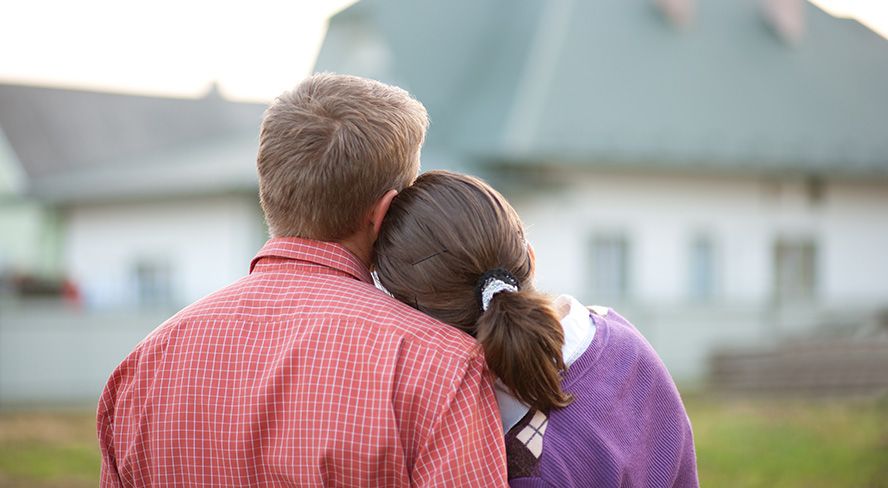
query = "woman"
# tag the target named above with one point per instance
(584, 399)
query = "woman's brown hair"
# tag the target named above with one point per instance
(439, 238)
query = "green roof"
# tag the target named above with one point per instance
(601, 82)
(81, 145)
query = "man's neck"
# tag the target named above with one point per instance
(360, 246)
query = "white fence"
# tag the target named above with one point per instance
(53, 355)
(57, 356)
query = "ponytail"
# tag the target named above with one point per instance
(522, 339)
(451, 246)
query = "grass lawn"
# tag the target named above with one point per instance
(740, 443)
(48, 449)
(745, 443)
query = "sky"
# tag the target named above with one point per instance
(167, 47)
(253, 50)
(872, 13)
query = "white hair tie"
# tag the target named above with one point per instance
(493, 282)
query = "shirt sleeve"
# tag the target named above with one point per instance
(109, 477)
(465, 447)
(105, 414)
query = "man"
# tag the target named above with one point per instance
(302, 373)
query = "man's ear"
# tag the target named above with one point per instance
(380, 208)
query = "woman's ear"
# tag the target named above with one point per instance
(377, 213)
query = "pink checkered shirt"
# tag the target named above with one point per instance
(301, 374)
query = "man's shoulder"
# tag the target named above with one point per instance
(221, 304)
(345, 300)
(415, 327)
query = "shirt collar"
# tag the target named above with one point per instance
(578, 328)
(329, 254)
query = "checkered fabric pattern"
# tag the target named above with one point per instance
(301, 374)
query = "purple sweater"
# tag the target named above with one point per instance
(626, 427)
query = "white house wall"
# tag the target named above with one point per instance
(28, 238)
(660, 215)
(855, 266)
(208, 243)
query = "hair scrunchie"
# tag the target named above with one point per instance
(492, 282)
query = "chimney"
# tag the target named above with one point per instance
(786, 18)
(679, 12)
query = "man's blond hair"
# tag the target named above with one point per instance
(330, 148)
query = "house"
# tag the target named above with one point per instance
(25, 244)
(716, 171)
(150, 201)
(143, 203)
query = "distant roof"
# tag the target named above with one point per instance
(79, 144)
(614, 83)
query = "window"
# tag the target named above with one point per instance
(610, 268)
(795, 270)
(703, 269)
(154, 283)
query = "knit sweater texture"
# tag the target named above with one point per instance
(627, 426)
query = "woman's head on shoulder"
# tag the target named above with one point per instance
(440, 235)
(446, 240)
